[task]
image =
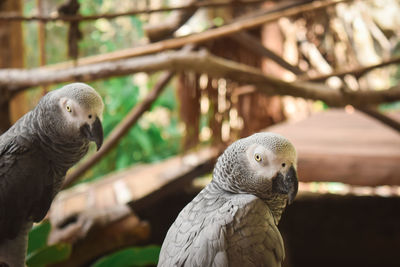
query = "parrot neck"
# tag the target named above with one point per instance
(276, 204)
(63, 154)
(232, 176)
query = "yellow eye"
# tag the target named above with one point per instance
(68, 108)
(257, 157)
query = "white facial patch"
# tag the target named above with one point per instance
(75, 113)
(262, 161)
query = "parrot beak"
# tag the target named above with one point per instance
(286, 185)
(94, 132)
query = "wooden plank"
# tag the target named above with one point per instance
(350, 169)
(344, 147)
(141, 184)
(173, 178)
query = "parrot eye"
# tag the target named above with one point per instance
(283, 165)
(90, 116)
(257, 157)
(68, 108)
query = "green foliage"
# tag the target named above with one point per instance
(48, 255)
(131, 257)
(102, 36)
(38, 236)
(39, 253)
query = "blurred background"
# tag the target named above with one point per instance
(181, 79)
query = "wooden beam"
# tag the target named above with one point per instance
(139, 185)
(178, 179)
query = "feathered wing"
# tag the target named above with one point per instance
(25, 194)
(254, 239)
(197, 237)
(223, 230)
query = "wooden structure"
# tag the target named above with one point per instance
(358, 150)
(332, 146)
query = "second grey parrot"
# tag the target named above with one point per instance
(35, 154)
(233, 220)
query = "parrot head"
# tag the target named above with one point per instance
(263, 164)
(79, 110)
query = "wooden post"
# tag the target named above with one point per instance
(11, 56)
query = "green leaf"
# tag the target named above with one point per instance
(167, 99)
(38, 236)
(134, 256)
(49, 254)
(138, 25)
(143, 140)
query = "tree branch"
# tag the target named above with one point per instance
(237, 26)
(250, 42)
(167, 27)
(210, 4)
(201, 62)
(358, 72)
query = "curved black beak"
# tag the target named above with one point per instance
(288, 184)
(94, 132)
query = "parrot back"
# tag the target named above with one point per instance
(223, 229)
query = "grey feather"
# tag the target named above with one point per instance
(233, 220)
(35, 154)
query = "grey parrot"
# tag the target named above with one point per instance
(233, 220)
(35, 154)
